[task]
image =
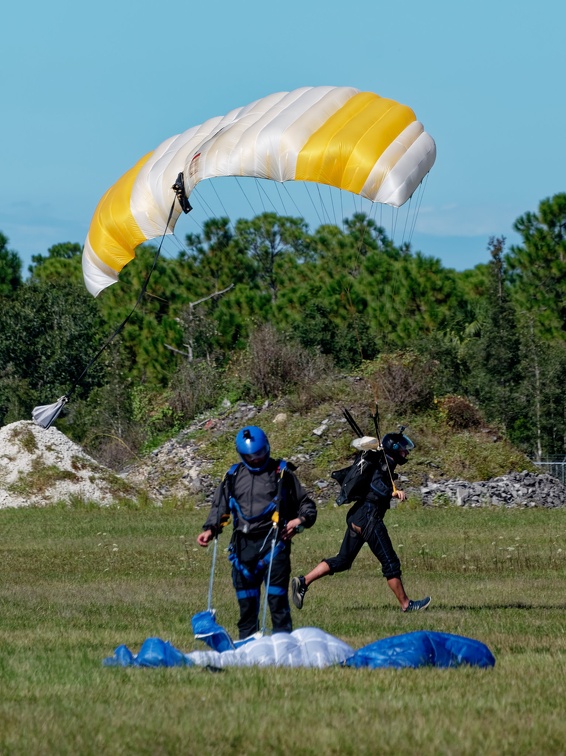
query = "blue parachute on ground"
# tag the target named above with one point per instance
(424, 648)
(154, 652)
(306, 647)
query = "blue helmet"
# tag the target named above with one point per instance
(253, 447)
(394, 443)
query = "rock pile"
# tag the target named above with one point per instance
(177, 468)
(39, 466)
(524, 489)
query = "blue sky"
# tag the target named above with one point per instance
(88, 88)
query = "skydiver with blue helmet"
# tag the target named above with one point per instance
(371, 500)
(268, 506)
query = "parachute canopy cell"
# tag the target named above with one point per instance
(356, 141)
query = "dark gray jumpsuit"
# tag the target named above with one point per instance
(251, 542)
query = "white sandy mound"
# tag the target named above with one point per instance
(39, 467)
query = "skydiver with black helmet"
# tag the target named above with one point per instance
(268, 506)
(365, 519)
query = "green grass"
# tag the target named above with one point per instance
(77, 583)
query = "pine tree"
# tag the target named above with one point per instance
(494, 375)
(538, 267)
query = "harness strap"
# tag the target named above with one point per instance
(233, 503)
(275, 590)
(261, 565)
(237, 512)
(252, 593)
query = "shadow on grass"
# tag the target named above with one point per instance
(510, 605)
(461, 607)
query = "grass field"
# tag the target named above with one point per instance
(77, 583)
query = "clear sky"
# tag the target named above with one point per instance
(88, 88)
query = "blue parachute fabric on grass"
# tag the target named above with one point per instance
(153, 653)
(306, 647)
(208, 630)
(424, 648)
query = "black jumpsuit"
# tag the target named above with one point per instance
(366, 525)
(251, 494)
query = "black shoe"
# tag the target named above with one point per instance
(414, 606)
(298, 590)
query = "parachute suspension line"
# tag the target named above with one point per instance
(373, 211)
(281, 200)
(347, 292)
(364, 229)
(180, 247)
(260, 195)
(394, 216)
(406, 219)
(126, 319)
(308, 190)
(174, 248)
(204, 203)
(292, 200)
(332, 205)
(322, 205)
(226, 213)
(246, 196)
(422, 187)
(342, 212)
(352, 309)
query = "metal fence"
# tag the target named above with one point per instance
(555, 466)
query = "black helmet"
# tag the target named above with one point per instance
(394, 444)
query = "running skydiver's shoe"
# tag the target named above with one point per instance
(414, 606)
(298, 590)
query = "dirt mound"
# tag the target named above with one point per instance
(39, 467)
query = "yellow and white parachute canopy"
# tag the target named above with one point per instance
(356, 141)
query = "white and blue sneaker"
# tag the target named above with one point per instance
(415, 606)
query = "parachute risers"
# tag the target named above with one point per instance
(179, 189)
(224, 520)
(356, 141)
(275, 521)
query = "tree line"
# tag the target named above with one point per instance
(264, 307)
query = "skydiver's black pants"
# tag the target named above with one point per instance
(365, 525)
(248, 589)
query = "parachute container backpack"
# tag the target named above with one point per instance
(359, 142)
(355, 479)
